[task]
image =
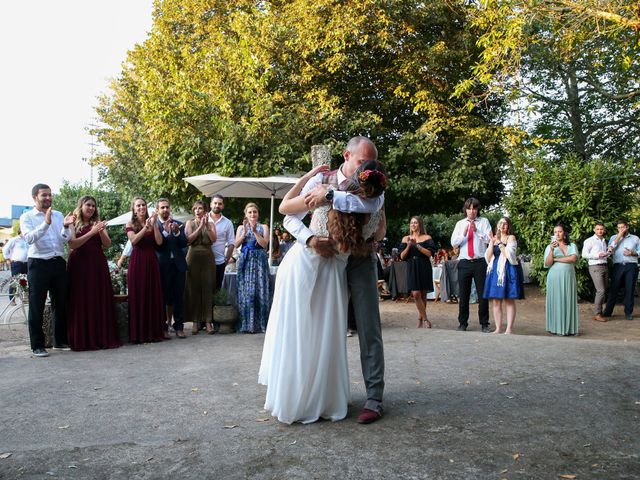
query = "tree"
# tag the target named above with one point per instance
(570, 191)
(571, 69)
(245, 88)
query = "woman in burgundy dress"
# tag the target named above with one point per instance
(146, 307)
(91, 317)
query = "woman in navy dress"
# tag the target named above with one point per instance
(91, 316)
(504, 278)
(146, 307)
(253, 295)
(417, 249)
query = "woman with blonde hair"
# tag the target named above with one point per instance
(201, 272)
(253, 296)
(146, 306)
(417, 248)
(91, 320)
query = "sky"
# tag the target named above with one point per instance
(57, 58)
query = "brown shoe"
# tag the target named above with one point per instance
(368, 416)
(180, 334)
(599, 318)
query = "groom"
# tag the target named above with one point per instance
(361, 271)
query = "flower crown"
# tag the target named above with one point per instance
(366, 174)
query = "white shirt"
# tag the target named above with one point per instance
(128, 248)
(631, 242)
(480, 237)
(225, 237)
(592, 247)
(16, 249)
(343, 201)
(45, 240)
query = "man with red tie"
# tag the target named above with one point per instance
(472, 235)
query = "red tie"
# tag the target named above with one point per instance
(470, 241)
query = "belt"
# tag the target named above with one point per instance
(472, 260)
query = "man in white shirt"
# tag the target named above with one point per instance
(595, 251)
(625, 249)
(223, 246)
(46, 231)
(472, 235)
(16, 253)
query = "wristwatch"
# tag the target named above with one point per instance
(329, 195)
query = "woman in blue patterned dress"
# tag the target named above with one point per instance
(253, 295)
(504, 280)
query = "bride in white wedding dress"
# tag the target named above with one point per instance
(304, 358)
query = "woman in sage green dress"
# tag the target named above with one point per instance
(560, 258)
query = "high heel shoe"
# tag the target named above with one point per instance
(427, 323)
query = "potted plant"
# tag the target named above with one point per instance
(224, 312)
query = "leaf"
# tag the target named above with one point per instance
(567, 475)
(503, 383)
(516, 456)
(64, 427)
(294, 442)
(467, 382)
(262, 419)
(411, 402)
(230, 426)
(506, 470)
(5, 455)
(195, 389)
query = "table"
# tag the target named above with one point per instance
(398, 280)
(449, 283)
(229, 283)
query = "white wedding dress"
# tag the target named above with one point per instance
(304, 358)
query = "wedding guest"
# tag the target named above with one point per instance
(595, 251)
(3, 259)
(201, 274)
(45, 230)
(91, 316)
(560, 258)
(126, 253)
(146, 306)
(285, 244)
(225, 236)
(625, 249)
(276, 256)
(417, 248)
(16, 252)
(173, 266)
(253, 294)
(472, 235)
(504, 283)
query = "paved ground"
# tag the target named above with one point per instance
(458, 406)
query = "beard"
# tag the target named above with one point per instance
(217, 210)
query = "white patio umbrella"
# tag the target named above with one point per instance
(245, 187)
(125, 217)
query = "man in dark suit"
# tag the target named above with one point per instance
(173, 266)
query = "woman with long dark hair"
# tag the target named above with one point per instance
(560, 258)
(146, 306)
(417, 248)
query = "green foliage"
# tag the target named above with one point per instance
(570, 191)
(221, 298)
(110, 205)
(245, 88)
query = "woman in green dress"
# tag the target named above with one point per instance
(201, 276)
(560, 258)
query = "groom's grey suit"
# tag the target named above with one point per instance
(362, 283)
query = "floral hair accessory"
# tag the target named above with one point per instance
(366, 174)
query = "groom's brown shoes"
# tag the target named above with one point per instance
(369, 416)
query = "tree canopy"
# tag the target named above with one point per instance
(246, 87)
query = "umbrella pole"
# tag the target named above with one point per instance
(269, 233)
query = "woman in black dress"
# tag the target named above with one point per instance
(417, 249)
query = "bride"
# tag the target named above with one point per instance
(304, 358)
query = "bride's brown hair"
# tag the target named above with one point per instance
(345, 229)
